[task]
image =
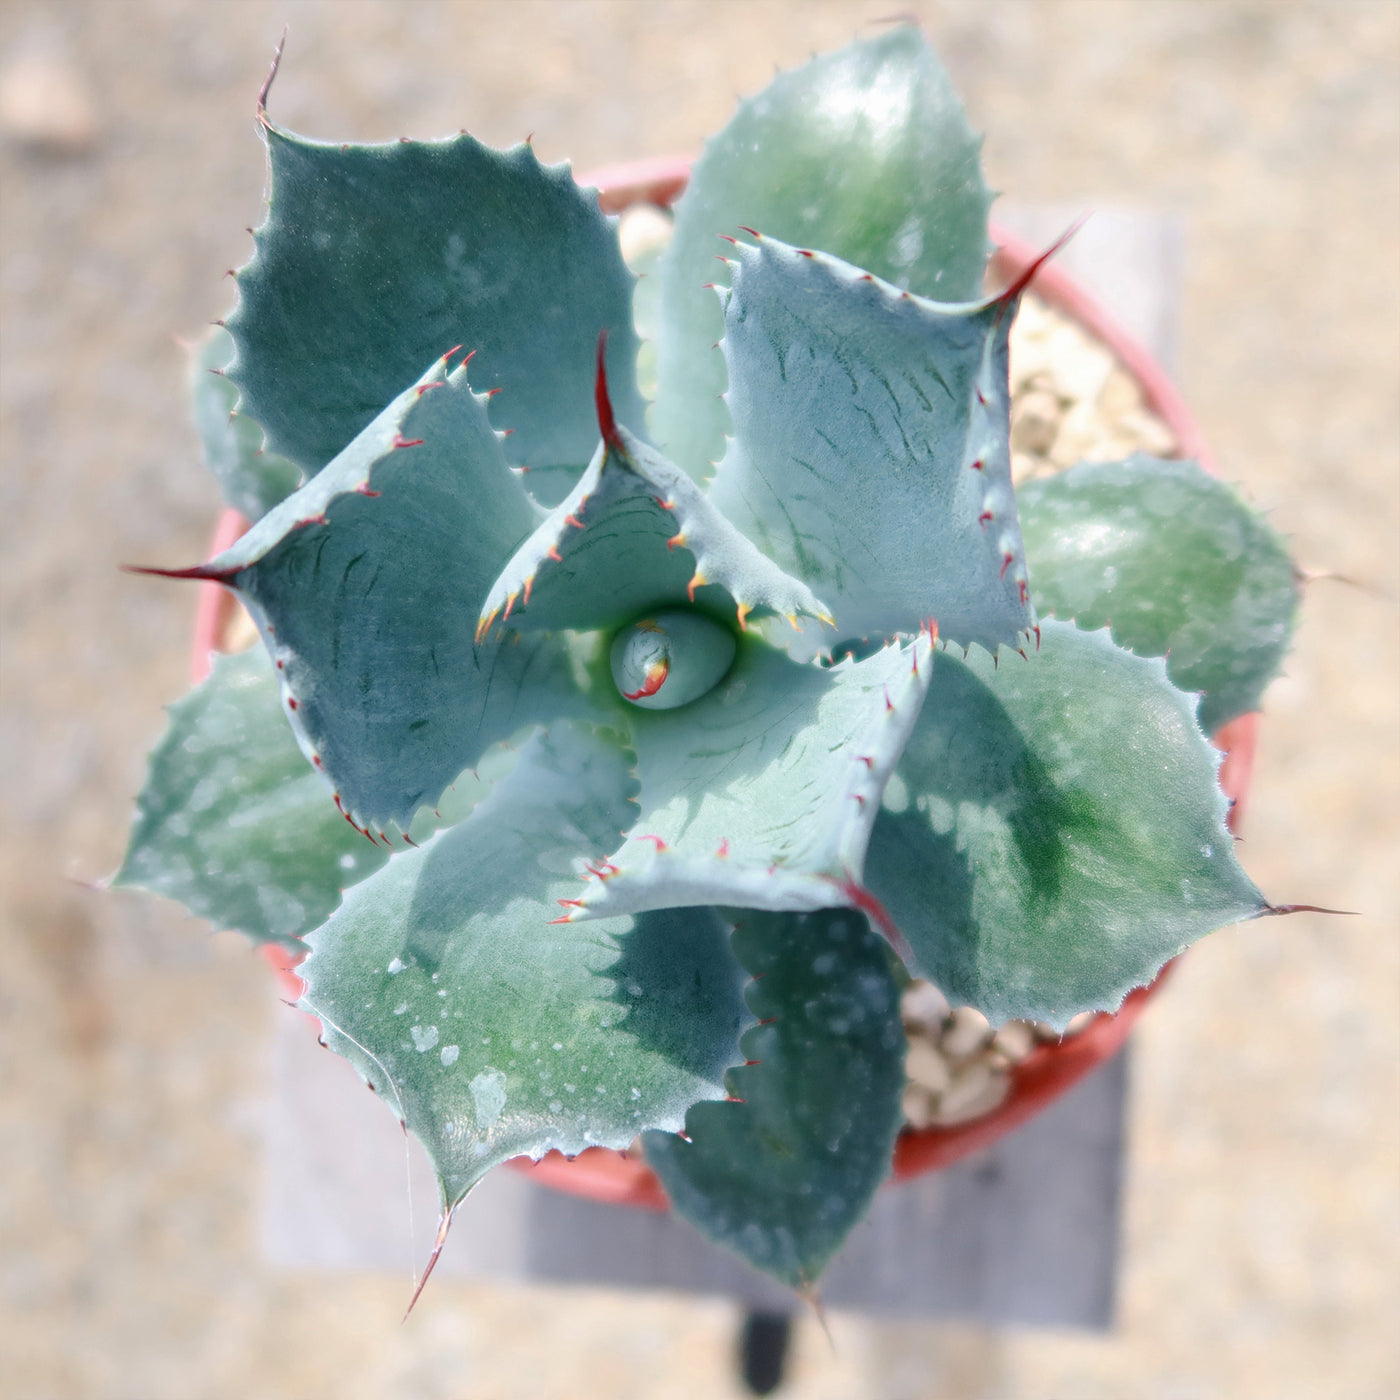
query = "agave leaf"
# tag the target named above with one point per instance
(636, 533)
(493, 1033)
(375, 259)
(864, 153)
(783, 1175)
(1055, 832)
(1175, 565)
(762, 792)
(367, 584)
(251, 479)
(233, 823)
(870, 455)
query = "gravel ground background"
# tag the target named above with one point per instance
(1262, 1247)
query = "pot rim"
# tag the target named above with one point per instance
(613, 1177)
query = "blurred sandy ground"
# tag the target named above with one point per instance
(1261, 1253)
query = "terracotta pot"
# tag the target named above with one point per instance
(1050, 1069)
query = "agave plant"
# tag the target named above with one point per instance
(618, 764)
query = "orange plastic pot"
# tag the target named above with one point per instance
(605, 1175)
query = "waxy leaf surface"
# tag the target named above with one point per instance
(233, 822)
(762, 793)
(251, 479)
(376, 259)
(1174, 564)
(637, 533)
(494, 1033)
(783, 1176)
(865, 154)
(1054, 831)
(368, 583)
(870, 455)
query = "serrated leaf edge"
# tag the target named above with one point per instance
(646, 873)
(379, 441)
(998, 496)
(722, 555)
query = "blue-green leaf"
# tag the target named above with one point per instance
(367, 584)
(761, 793)
(490, 1030)
(376, 259)
(783, 1175)
(636, 533)
(864, 153)
(251, 479)
(1175, 565)
(870, 455)
(232, 821)
(670, 658)
(1055, 832)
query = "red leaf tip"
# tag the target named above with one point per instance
(261, 111)
(198, 571)
(1026, 277)
(444, 1224)
(607, 423)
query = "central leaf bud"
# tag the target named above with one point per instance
(669, 659)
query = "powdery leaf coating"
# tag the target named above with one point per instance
(762, 793)
(251, 479)
(376, 259)
(871, 454)
(864, 154)
(1174, 564)
(564, 1037)
(1054, 832)
(637, 533)
(782, 1175)
(233, 823)
(366, 584)
(668, 659)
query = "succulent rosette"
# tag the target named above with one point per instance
(659, 777)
